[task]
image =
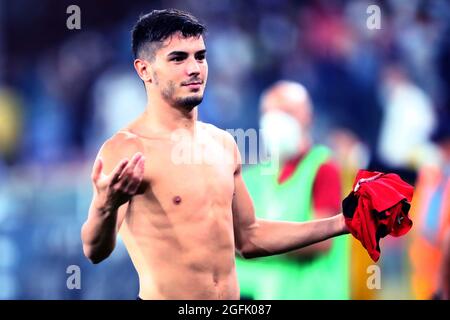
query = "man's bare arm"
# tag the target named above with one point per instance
(109, 204)
(259, 237)
(319, 247)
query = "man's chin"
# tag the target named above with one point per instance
(190, 102)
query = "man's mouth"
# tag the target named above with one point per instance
(193, 83)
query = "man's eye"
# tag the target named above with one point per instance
(202, 57)
(178, 59)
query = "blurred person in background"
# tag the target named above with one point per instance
(352, 155)
(306, 185)
(116, 87)
(408, 121)
(11, 115)
(445, 266)
(431, 213)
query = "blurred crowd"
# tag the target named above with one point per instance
(379, 96)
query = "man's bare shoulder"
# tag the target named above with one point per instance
(226, 140)
(122, 145)
(217, 133)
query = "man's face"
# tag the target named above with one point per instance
(289, 99)
(180, 71)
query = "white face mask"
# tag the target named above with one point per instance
(281, 134)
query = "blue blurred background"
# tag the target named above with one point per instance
(63, 92)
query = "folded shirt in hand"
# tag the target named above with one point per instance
(377, 206)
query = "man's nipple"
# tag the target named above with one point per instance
(177, 200)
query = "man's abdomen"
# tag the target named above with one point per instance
(214, 279)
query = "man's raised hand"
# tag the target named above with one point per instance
(121, 184)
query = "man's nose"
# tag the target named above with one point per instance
(193, 68)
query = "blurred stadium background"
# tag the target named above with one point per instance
(63, 92)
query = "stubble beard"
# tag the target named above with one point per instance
(184, 103)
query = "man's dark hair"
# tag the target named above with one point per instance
(153, 28)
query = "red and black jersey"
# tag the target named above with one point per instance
(377, 206)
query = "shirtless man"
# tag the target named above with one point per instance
(181, 222)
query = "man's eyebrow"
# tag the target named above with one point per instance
(177, 53)
(183, 53)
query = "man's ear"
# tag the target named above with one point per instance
(143, 70)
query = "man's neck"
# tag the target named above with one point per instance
(163, 117)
